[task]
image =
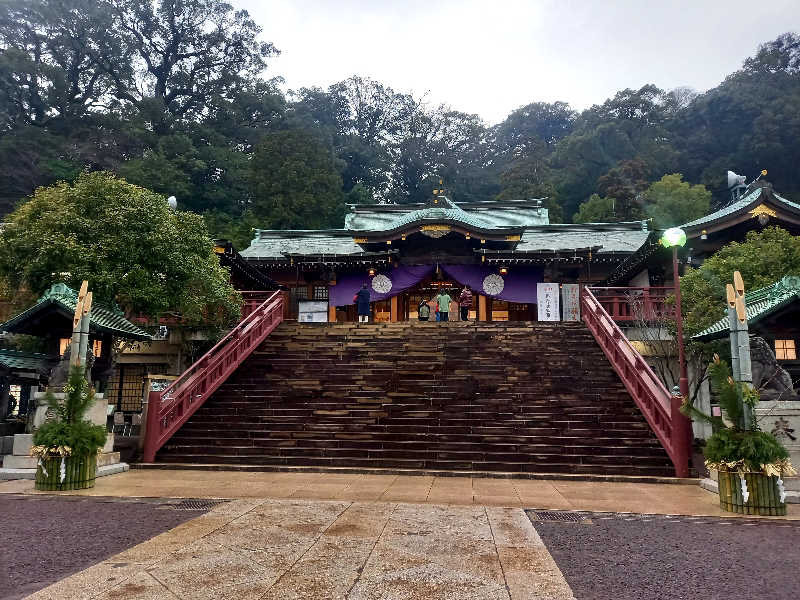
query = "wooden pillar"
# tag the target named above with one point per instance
(394, 309)
(482, 308)
(331, 314)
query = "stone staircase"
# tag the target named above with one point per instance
(502, 397)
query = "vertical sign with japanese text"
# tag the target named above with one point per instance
(547, 297)
(571, 301)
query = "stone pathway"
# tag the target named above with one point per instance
(301, 549)
(524, 493)
(359, 536)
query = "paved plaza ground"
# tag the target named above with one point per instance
(319, 535)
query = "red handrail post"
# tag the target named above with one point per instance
(681, 436)
(151, 426)
(647, 305)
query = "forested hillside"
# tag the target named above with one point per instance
(178, 97)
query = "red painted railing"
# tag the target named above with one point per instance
(168, 410)
(658, 406)
(252, 300)
(636, 303)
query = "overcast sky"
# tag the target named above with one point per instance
(492, 56)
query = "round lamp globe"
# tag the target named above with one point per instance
(674, 236)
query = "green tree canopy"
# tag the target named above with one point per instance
(527, 178)
(171, 95)
(295, 182)
(125, 241)
(672, 201)
(596, 209)
(762, 259)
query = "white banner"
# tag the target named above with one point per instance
(571, 301)
(547, 297)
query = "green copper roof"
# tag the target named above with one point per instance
(524, 218)
(102, 318)
(510, 214)
(760, 303)
(751, 199)
(605, 237)
(271, 244)
(609, 237)
(23, 361)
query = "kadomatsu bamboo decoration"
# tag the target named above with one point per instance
(67, 447)
(750, 463)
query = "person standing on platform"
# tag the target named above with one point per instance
(424, 310)
(362, 301)
(444, 299)
(465, 302)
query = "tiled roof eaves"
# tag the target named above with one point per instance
(589, 227)
(12, 323)
(24, 361)
(742, 205)
(733, 208)
(789, 203)
(101, 318)
(755, 312)
(105, 320)
(636, 259)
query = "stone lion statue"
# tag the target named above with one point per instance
(60, 373)
(769, 378)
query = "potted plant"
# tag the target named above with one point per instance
(750, 463)
(67, 446)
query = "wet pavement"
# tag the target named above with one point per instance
(45, 539)
(301, 549)
(629, 495)
(658, 557)
(370, 537)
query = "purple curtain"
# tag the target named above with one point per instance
(393, 281)
(518, 285)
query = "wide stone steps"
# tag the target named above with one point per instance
(524, 397)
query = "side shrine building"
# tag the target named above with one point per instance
(503, 250)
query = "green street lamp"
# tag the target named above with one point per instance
(672, 238)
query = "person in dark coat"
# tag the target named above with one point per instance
(465, 302)
(362, 301)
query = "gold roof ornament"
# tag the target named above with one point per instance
(763, 209)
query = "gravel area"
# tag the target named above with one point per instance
(46, 538)
(644, 557)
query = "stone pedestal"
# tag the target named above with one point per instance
(21, 465)
(782, 419)
(97, 413)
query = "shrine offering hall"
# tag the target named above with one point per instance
(519, 266)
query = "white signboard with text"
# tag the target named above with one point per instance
(571, 301)
(547, 298)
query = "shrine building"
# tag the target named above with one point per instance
(504, 250)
